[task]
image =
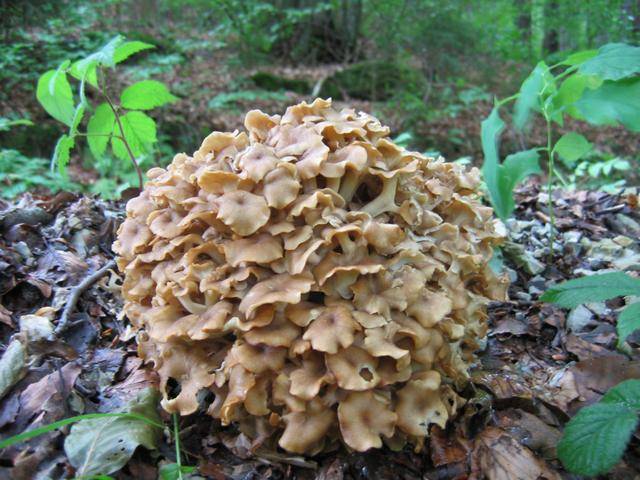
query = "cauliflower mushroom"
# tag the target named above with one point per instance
(322, 282)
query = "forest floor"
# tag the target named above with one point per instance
(539, 366)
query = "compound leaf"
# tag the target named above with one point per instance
(125, 50)
(62, 152)
(146, 95)
(628, 322)
(594, 288)
(626, 393)
(595, 439)
(54, 94)
(99, 128)
(139, 132)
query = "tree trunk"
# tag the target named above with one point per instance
(537, 28)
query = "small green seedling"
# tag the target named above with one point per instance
(601, 87)
(597, 288)
(120, 122)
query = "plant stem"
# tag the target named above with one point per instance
(78, 134)
(176, 439)
(507, 100)
(551, 155)
(114, 109)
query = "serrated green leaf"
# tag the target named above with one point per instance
(140, 133)
(77, 118)
(146, 95)
(628, 322)
(127, 49)
(528, 97)
(571, 147)
(579, 57)
(596, 438)
(104, 446)
(611, 103)
(106, 55)
(60, 104)
(85, 70)
(61, 70)
(100, 126)
(626, 393)
(62, 152)
(594, 288)
(614, 61)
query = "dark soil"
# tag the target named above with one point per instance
(540, 365)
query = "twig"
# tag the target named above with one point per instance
(116, 114)
(77, 291)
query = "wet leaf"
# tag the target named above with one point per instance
(12, 365)
(105, 445)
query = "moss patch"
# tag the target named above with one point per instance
(373, 80)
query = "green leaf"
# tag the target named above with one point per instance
(146, 95)
(140, 133)
(514, 169)
(85, 70)
(626, 393)
(100, 126)
(36, 432)
(595, 439)
(77, 118)
(106, 55)
(502, 179)
(528, 97)
(6, 124)
(571, 91)
(594, 288)
(62, 152)
(628, 322)
(614, 61)
(127, 49)
(54, 94)
(491, 128)
(172, 471)
(104, 446)
(571, 147)
(611, 103)
(579, 57)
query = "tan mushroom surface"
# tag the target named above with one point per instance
(322, 282)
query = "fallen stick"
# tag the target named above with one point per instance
(77, 291)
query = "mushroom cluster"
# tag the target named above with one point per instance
(322, 282)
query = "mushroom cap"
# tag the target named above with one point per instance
(243, 212)
(322, 282)
(363, 417)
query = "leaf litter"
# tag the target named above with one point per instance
(539, 366)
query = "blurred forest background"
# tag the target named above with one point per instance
(427, 68)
